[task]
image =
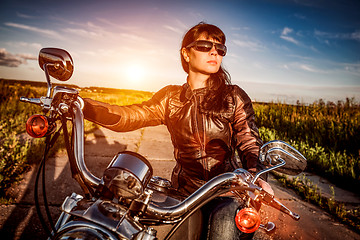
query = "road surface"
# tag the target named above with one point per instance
(20, 221)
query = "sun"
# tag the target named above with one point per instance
(135, 73)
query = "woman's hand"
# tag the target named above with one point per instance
(266, 186)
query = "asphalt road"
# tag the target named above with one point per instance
(20, 221)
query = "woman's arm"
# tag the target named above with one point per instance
(130, 117)
(246, 134)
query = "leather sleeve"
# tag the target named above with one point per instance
(130, 117)
(246, 134)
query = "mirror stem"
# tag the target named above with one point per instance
(49, 85)
(282, 163)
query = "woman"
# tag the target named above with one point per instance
(207, 117)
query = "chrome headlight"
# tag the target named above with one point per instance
(127, 175)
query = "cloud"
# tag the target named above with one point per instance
(308, 68)
(329, 68)
(285, 36)
(27, 56)
(240, 28)
(292, 92)
(299, 16)
(133, 37)
(177, 26)
(352, 68)
(17, 44)
(249, 44)
(81, 32)
(297, 65)
(314, 49)
(355, 35)
(90, 30)
(290, 39)
(342, 36)
(286, 31)
(174, 29)
(10, 60)
(21, 15)
(49, 33)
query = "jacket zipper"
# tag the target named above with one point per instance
(202, 148)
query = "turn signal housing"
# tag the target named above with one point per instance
(37, 126)
(247, 220)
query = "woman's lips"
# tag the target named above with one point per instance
(212, 62)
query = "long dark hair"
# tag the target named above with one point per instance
(215, 100)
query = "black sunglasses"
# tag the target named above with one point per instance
(206, 46)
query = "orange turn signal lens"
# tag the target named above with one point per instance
(37, 126)
(247, 220)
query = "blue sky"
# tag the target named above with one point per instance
(278, 50)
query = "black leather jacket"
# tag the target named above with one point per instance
(204, 142)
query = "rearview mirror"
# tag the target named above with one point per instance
(277, 152)
(58, 63)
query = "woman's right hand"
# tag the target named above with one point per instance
(266, 186)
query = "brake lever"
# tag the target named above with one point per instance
(273, 202)
(44, 102)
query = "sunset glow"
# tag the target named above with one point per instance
(277, 50)
(135, 73)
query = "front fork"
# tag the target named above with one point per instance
(67, 206)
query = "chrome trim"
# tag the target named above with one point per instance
(268, 170)
(78, 224)
(69, 203)
(271, 151)
(215, 187)
(36, 101)
(268, 227)
(86, 175)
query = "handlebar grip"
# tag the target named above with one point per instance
(31, 100)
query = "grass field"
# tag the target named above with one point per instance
(328, 135)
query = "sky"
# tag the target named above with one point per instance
(278, 50)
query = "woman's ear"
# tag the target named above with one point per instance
(185, 54)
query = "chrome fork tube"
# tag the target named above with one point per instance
(86, 175)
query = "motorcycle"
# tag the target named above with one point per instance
(128, 202)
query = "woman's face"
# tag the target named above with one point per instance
(202, 62)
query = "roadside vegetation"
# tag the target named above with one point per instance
(327, 134)
(17, 150)
(305, 188)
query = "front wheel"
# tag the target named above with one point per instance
(219, 217)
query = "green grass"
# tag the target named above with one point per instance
(327, 135)
(16, 150)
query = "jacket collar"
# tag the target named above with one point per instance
(187, 93)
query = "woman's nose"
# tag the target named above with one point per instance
(213, 51)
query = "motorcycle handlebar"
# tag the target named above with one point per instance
(89, 178)
(217, 186)
(36, 101)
